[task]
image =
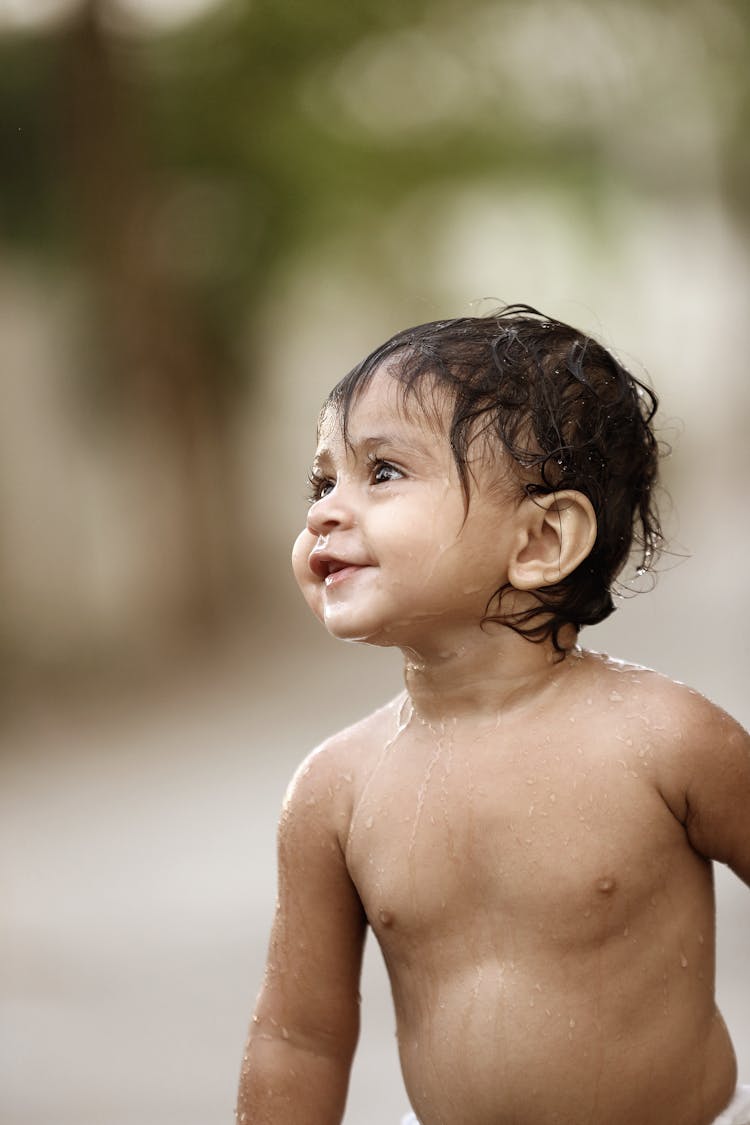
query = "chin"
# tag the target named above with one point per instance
(348, 630)
(343, 632)
(362, 632)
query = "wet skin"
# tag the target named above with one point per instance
(547, 926)
(529, 839)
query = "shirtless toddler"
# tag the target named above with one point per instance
(529, 827)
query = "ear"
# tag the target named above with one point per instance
(556, 532)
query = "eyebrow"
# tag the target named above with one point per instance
(375, 441)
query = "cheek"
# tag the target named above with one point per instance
(308, 583)
(303, 545)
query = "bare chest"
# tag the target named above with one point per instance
(563, 844)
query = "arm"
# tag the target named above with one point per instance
(714, 798)
(306, 1022)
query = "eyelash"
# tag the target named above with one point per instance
(315, 488)
(318, 483)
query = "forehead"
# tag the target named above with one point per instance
(385, 403)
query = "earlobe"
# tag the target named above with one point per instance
(556, 533)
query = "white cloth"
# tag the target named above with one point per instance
(736, 1113)
(738, 1110)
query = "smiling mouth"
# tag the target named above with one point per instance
(339, 572)
(330, 569)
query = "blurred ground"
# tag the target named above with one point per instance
(137, 830)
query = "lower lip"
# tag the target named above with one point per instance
(338, 576)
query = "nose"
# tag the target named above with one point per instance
(333, 511)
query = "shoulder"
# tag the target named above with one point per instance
(670, 707)
(677, 713)
(691, 738)
(323, 789)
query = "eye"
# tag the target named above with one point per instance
(383, 471)
(318, 487)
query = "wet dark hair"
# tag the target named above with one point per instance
(570, 416)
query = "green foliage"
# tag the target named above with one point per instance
(284, 122)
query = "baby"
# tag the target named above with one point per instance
(529, 827)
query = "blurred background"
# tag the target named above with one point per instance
(209, 211)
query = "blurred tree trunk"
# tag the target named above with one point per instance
(165, 368)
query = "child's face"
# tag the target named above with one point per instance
(389, 554)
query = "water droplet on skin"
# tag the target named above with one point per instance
(572, 1023)
(615, 697)
(683, 961)
(368, 822)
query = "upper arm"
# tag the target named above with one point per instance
(716, 753)
(311, 987)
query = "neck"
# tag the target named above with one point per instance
(492, 673)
